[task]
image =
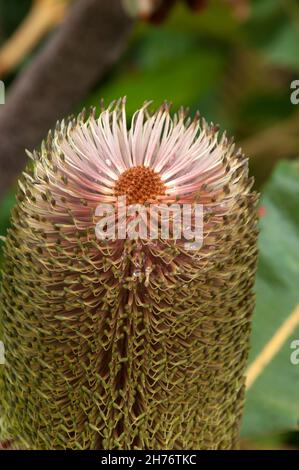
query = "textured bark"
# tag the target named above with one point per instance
(75, 58)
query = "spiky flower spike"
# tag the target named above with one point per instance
(128, 344)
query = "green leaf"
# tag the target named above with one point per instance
(272, 403)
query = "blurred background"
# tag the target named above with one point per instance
(235, 62)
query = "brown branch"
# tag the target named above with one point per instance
(91, 39)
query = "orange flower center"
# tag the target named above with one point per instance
(139, 184)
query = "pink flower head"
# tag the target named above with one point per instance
(184, 154)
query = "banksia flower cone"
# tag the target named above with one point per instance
(128, 343)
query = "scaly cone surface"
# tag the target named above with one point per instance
(127, 344)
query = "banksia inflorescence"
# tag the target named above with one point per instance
(127, 343)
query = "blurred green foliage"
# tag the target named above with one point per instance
(183, 61)
(273, 401)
